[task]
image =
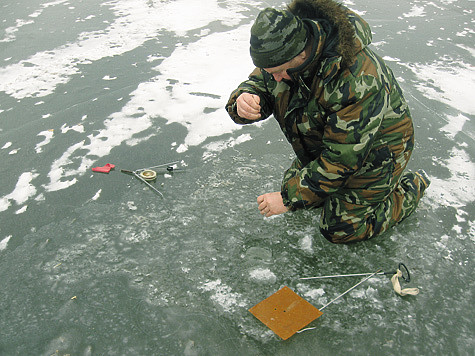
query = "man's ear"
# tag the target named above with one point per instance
(303, 55)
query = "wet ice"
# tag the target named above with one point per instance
(132, 84)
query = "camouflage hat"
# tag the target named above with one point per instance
(276, 38)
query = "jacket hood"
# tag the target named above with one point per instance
(352, 32)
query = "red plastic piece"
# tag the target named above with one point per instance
(105, 169)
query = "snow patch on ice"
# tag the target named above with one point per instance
(137, 237)
(391, 59)
(441, 246)
(364, 293)
(441, 81)
(458, 190)
(455, 125)
(22, 192)
(314, 293)
(78, 128)
(306, 244)
(4, 242)
(218, 146)
(11, 31)
(21, 210)
(48, 134)
(97, 195)
(223, 295)
(349, 3)
(416, 11)
(182, 148)
(263, 275)
(131, 205)
(136, 23)
(308, 292)
(468, 49)
(194, 98)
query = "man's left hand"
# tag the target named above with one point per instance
(271, 204)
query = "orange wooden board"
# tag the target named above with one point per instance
(285, 312)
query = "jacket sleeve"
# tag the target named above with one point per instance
(256, 84)
(357, 106)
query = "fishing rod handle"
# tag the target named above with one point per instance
(402, 267)
(404, 270)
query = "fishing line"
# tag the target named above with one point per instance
(394, 280)
(168, 165)
(341, 295)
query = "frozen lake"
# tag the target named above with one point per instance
(98, 264)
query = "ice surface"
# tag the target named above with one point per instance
(99, 264)
(442, 80)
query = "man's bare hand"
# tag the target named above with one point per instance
(271, 204)
(248, 106)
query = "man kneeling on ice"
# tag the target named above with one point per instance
(344, 114)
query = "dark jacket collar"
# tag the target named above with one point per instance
(315, 67)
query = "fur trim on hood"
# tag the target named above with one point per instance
(337, 16)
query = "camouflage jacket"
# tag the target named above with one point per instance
(350, 127)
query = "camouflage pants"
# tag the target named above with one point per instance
(343, 222)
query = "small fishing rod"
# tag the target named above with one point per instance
(147, 174)
(142, 180)
(341, 295)
(402, 267)
(168, 165)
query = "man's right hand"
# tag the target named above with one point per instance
(248, 106)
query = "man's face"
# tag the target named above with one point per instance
(279, 73)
